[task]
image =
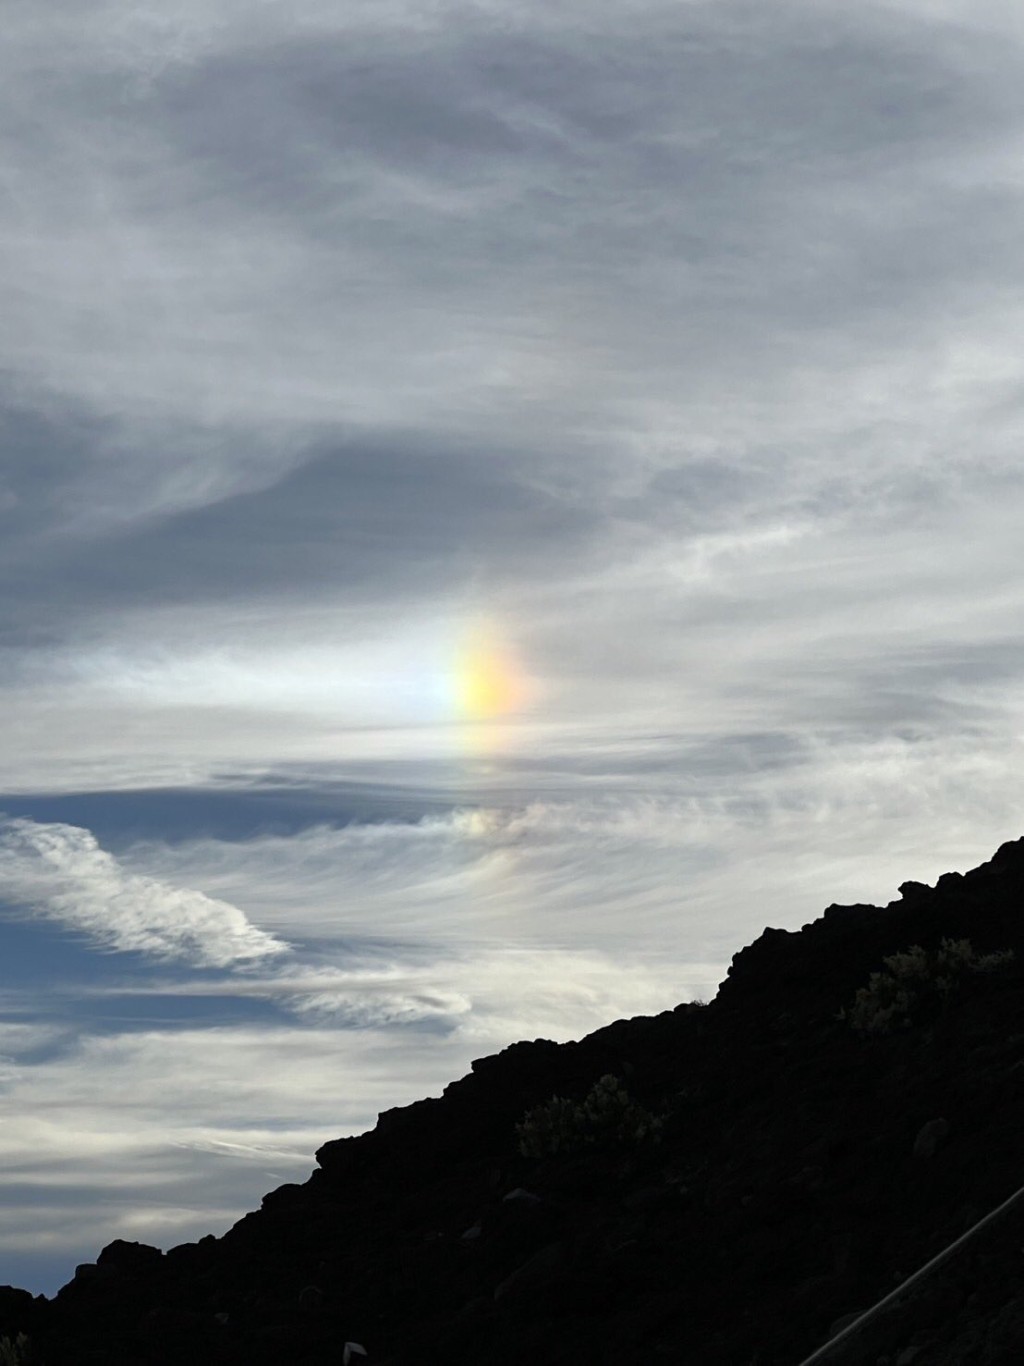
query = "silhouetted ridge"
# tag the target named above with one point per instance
(809, 1153)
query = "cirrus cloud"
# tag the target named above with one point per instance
(60, 872)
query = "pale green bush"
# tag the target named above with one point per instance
(16, 1351)
(891, 995)
(607, 1117)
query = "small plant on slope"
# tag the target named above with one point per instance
(16, 1351)
(607, 1117)
(892, 994)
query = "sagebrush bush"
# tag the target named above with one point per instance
(607, 1117)
(891, 995)
(16, 1351)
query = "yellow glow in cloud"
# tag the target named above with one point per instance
(489, 682)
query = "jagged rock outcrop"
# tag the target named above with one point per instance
(803, 1169)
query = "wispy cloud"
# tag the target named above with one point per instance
(721, 840)
(60, 872)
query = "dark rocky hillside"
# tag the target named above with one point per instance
(804, 1167)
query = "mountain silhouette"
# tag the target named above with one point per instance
(720, 1185)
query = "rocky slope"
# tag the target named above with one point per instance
(803, 1169)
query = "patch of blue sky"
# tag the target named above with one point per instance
(59, 975)
(45, 1272)
(121, 1012)
(38, 956)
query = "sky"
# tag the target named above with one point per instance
(498, 504)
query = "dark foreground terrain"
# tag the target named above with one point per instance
(803, 1166)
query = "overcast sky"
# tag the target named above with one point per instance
(498, 503)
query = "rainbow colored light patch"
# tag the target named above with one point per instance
(489, 682)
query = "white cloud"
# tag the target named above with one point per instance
(642, 895)
(482, 995)
(60, 872)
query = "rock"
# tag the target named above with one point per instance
(14, 1302)
(311, 1298)
(476, 1308)
(949, 883)
(914, 891)
(289, 1196)
(173, 1321)
(929, 1138)
(534, 1275)
(524, 1197)
(131, 1258)
(91, 1273)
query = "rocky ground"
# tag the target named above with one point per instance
(802, 1169)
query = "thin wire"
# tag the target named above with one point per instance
(840, 1338)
